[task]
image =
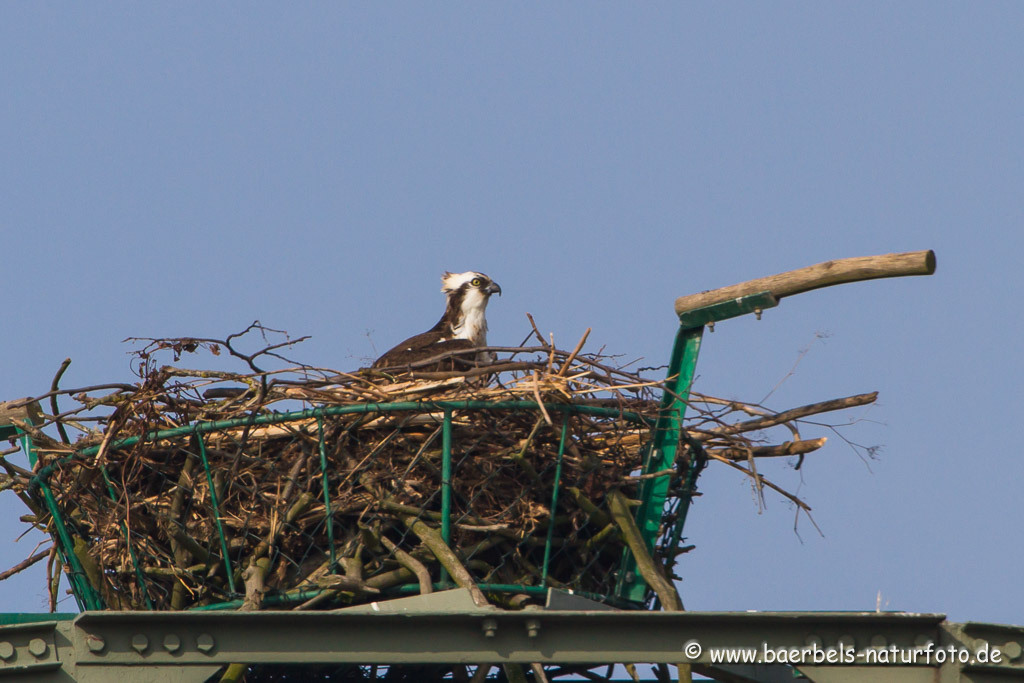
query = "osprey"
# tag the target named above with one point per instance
(463, 325)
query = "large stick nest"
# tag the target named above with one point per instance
(343, 508)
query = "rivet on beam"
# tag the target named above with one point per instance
(95, 643)
(532, 627)
(38, 647)
(172, 643)
(204, 642)
(140, 643)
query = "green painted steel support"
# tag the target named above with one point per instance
(446, 484)
(296, 596)
(554, 500)
(327, 492)
(660, 453)
(216, 514)
(359, 409)
(104, 646)
(734, 308)
(85, 594)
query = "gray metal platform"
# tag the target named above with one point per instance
(448, 628)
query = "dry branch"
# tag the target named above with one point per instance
(25, 564)
(432, 539)
(795, 414)
(788, 448)
(646, 565)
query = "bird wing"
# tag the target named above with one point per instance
(420, 347)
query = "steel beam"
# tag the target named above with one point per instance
(571, 637)
(446, 629)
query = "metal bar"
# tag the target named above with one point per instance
(667, 432)
(360, 409)
(86, 596)
(661, 452)
(189, 646)
(661, 455)
(591, 637)
(554, 501)
(292, 597)
(733, 308)
(216, 513)
(327, 492)
(12, 618)
(446, 487)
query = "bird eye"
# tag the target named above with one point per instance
(476, 282)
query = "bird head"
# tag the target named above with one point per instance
(469, 281)
(468, 294)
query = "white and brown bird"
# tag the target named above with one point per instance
(463, 325)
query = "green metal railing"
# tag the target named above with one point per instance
(71, 544)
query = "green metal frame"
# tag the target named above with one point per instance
(82, 590)
(225, 556)
(446, 485)
(554, 500)
(322, 448)
(661, 452)
(90, 599)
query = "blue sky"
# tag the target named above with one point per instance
(185, 168)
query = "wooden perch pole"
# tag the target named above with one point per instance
(814, 277)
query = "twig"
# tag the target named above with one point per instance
(575, 351)
(788, 448)
(540, 401)
(796, 501)
(536, 332)
(797, 413)
(53, 398)
(25, 564)
(651, 475)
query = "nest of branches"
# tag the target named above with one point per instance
(301, 487)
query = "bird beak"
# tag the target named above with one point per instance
(493, 288)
